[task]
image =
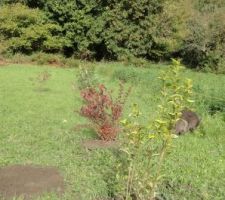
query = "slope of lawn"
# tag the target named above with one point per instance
(37, 127)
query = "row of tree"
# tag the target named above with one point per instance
(193, 30)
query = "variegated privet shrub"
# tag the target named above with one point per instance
(144, 147)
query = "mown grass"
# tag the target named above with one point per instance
(36, 127)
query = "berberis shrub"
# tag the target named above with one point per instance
(103, 111)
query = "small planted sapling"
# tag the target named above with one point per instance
(144, 146)
(99, 107)
(103, 111)
(87, 78)
(41, 80)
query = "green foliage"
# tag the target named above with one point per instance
(127, 75)
(204, 46)
(134, 61)
(146, 145)
(176, 91)
(27, 30)
(208, 5)
(116, 29)
(41, 80)
(41, 58)
(79, 24)
(87, 77)
(129, 31)
(127, 25)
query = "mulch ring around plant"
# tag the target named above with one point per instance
(99, 144)
(29, 181)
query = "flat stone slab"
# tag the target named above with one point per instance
(29, 181)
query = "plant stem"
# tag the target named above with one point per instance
(161, 158)
(129, 181)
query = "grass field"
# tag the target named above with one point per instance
(36, 127)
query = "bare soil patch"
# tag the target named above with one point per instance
(29, 181)
(96, 144)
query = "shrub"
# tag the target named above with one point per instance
(87, 77)
(103, 112)
(204, 46)
(127, 75)
(42, 58)
(133, 61)
(129, 31)
(115, 29)
(17, 58)
(144, 146)
(26, 30)
(79, 24)
(41, 80)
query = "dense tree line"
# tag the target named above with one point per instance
(117, 29)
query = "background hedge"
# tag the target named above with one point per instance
(118, 29)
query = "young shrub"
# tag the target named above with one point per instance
(103, 111)
(87, 78)
(41, 80)
(144, 146)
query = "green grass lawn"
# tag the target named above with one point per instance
(36, 127)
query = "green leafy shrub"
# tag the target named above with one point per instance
(79, 24)
(204, 46)
(116, 29)
(145, 146)
(140, 29)
(28, 30)
(129, 31)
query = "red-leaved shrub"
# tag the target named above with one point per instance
(103, 111)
